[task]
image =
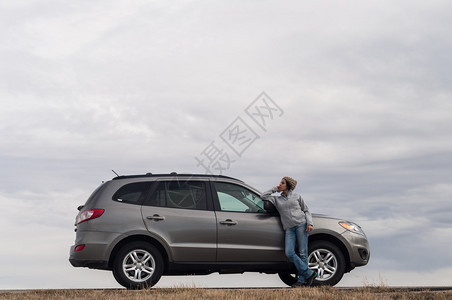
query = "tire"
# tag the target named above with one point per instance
(328, 260)
(288, 278)
(138, 265)
(325, 258)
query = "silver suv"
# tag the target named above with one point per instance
(144, 226)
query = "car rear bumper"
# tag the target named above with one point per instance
(81, 258)
(92, 264)
(96, 251)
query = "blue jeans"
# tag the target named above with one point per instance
(298, 236)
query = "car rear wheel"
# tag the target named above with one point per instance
(326, 259)
(138, 265)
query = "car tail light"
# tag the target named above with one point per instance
(88, 214)
(79, 248)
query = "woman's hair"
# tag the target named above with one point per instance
(290, 182)
(289, 186)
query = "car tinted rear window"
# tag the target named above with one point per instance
(133, 193)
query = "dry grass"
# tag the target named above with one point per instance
(323, 293)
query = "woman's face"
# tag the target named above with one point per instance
(283, 185)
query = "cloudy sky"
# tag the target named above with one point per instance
(363, 120)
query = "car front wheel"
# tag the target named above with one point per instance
(326, 259)
(138, 265)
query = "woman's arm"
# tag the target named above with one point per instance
(306, 211)
(268, 198)
(268, 195)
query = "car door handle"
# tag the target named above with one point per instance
(155, 218)
(228, 222)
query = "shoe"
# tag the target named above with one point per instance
(311, 278)
(298, 284)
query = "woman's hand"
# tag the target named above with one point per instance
(309, 228)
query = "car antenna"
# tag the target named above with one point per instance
(115, 173)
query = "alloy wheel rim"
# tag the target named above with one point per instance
(138, 265)
(324, 262)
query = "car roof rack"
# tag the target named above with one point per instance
(172, 174)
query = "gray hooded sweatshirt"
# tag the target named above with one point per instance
(292, 210)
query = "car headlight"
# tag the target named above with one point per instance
(352, 227)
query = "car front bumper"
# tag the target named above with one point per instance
(359, 248)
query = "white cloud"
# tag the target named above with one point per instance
(146, 86)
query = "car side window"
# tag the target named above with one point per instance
(179, 194)
(133, 193)
(158, 197)
(236, 198)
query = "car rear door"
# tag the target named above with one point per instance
(180, 212)
(245, 231)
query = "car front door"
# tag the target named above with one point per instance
(246, 232)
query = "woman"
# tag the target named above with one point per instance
(297, 222)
